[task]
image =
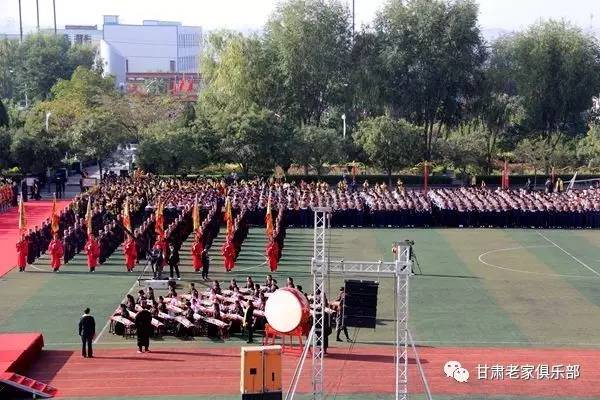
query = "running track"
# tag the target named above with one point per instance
(36, 212)
(216, 371)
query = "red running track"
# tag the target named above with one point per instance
(216, 371)
(36, 212)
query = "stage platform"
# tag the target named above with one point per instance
(19, 350)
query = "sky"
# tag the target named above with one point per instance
(508, 15)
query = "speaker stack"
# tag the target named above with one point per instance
(360, 303)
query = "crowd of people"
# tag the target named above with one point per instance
(291, 204)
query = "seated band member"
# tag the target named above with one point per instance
(141, 297)
(150, 295)
(130, 303)
(249, 283)
(217, 288)
(232, 285)
(162, 306)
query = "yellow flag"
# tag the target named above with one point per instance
(269, 219)
(228, 216)
(22, 218)
(196, 215)
(88, 216)
(54, 218)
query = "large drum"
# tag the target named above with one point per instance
(287, 309)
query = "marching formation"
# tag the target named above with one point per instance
(151, 217)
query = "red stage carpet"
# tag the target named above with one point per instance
(19, 350)
(36, 212)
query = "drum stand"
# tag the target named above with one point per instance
(321, 267)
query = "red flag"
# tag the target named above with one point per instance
(426, 177)
(181, 85)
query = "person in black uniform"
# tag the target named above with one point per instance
(205, 264)
(249, 320)
(340, 324)
(143, 325)
(174, 260)
(87, 331)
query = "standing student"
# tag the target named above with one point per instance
(205, 264)
(87, 331)
(174, 261)
(143, 325)
(249, 320)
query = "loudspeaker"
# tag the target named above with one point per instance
(360, 303)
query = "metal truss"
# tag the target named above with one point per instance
(321, 267)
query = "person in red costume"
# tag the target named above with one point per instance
(92, 249)
(130, 250)
(273, 254)
(56, 250)
(22, 252)
(228, 252)
(197, 249)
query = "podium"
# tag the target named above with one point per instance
(261, 373)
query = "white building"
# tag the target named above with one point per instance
(155, 49)
(82, 34)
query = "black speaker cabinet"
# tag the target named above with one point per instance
(360, 303)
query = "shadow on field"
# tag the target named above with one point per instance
(49, 364)
(380, 358)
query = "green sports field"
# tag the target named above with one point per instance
(477, 288)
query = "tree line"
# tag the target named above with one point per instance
(419, 85)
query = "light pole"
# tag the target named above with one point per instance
(344, 121)
(48, 114)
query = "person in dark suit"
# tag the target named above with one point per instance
(174, 260)
(249, 320)
(143, 325)
(205, 264)
(87, 331)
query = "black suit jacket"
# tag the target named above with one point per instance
(87, 326)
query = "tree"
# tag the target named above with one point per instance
(5, 143)
(389, 144)
(588, 149)
(168, 149)
(555, 68)
(251, 139)
(432, 54)
(4, 121)
(466, 147)
(96, 136)
(34, 151)
(311, 41)
(10, 60)
(317, 145)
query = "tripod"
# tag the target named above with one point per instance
(413, 257)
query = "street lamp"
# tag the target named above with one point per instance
(344, 121)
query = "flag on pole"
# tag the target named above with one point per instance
(505, 178)
(55, 224)
(88, 216)
(126, 217)
(159, 227)
(228, 216)
(22, 218)
(269, 220)
(426, 176)
(196, 215)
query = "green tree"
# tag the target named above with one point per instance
(4, 121)
(96, 136)
(311, 40)
(10, 60)
(555, 68)
(34, 151)
(316, 146)
(389, 144)
(588, 149)
(167, 149)
(466, 147)
(5, 143)
(432, 54)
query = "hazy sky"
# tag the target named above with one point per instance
(251, 14)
